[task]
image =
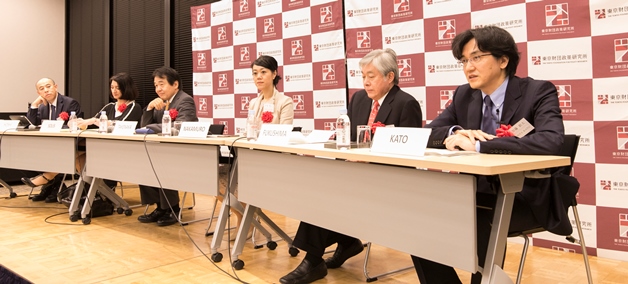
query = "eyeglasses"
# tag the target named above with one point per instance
(475, 59)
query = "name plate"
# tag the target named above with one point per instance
(193, 129)
(124, 128)
(8, 125)
(51, 125)
(275, 134)
(410, 141)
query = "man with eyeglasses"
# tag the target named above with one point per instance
(492, 97)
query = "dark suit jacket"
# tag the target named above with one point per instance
(537, 102)
(399, 109)
(182, 102)
(64, 103)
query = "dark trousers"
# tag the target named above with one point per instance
(150, 195)
(522, 219)
(314, 240)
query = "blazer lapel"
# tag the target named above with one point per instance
(512, 100)
(474, 117)
(386, 107)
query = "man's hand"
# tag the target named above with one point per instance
(157, 104)
(473, 135)
(466, 139)
(39, 100)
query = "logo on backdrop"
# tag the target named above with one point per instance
(328, 125)
(564, 95)
(605, 184)
(429, 2)
(363, 39)
(222, 33)
(297, 47)
(621, 50)
(201, 59)
(445, 98)
(299, 102)
(536, 60)
(431, 68)
(326, 14)
(202, 104)
(329, 72)
(556, 15)
(244, 6)
(600, 13)
(401, 6)
(245, 53)
(269, 25)
(602, 99)
(226, 129)
(622, 137)
(446, 29)
(623, 225)
(405, 67)
(200, 15)
(222, 81)
(244, 102)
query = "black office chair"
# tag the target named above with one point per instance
(570, 148)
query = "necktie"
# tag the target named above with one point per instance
(53, 112)
(167, 104)
(373, 114)
(488, 120)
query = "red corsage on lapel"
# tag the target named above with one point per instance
(64, 116)
(504, 131)
(173, 113)
(267, 117)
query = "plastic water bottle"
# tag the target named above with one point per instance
(166, 126)
(251, 126)
(103, 122)
(343, 131)
(72, 122)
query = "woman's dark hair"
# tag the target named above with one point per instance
(170, 74)
(492, 39)
(125, 84)
(269, 63)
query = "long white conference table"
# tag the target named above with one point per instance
(386, 199)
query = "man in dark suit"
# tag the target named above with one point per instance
(171, 97)
(494, 96)
(48, 106)
(380, 101)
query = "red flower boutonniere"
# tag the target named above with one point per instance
(64, 115)
(376, 125)
(504, 131)
(121, 107)
(267, 117)
(173, 113)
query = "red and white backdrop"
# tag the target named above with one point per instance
(581, 46)
(304, 36)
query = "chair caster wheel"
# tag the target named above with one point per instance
(271, 245)
(87, 220)
(238, 264)
(120, 210)
(74, 217)
(128, 212)
(13, 195)
(216, 257)
(293, 251)
(369, 280)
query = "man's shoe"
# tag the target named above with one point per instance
(342, 254)
(153, 216)
(52, 197)
(305, 273)
(168, 219)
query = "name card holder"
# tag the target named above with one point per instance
(410, 141)
(7, 125)
(275, 134)
(192, 129)
(124, 128)
(52, 126)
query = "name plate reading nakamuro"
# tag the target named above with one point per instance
(192, 129)
(275, 134)
(124, 128)
(410, 141)
(51, 126)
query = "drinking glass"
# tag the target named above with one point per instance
(363, 137)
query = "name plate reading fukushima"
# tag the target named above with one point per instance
(192, 129)
(410, 141)
(124, 128)
(275, 134)
(51, 126)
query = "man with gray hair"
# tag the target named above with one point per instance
(381, 101)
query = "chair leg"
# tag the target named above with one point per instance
(582, 244)
(211, 219)
(524, 253)
(375, 277)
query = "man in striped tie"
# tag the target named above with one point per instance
(381, 101)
